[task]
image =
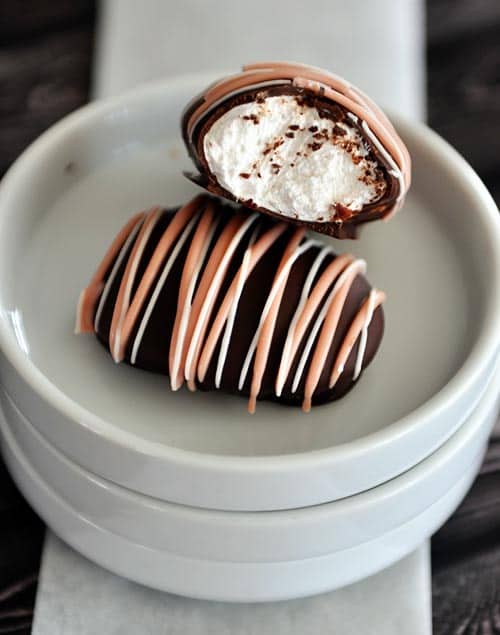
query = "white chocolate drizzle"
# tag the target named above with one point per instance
(200, 325)
(109, 282)
(189, 277)
(125, 291)
(209, 299)
(228, 331)
(360, 108)
(288, 354)
(159, 286)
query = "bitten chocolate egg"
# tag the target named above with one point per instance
(230, 299)
(300, 144)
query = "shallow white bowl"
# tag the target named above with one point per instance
(226, 581)
(257, 536)
(439, 261)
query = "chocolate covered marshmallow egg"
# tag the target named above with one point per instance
(219, 297)
(299, 144)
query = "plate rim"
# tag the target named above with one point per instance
(268, 525)
(483, 349)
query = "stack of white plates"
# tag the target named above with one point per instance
(186, 492)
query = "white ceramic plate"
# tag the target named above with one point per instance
(257, 536)
(438, 260)
(226, 581)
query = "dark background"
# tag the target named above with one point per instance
(45, 62)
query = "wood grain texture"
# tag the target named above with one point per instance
(464, 107)
(464, 81)
(41, 80)
(45, 62)
(449, 20)
(21, 537)
(22, 20)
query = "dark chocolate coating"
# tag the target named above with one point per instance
(345, 223)
(153, 354)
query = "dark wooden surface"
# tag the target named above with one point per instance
(45, 60)
(45, 57)
(463, 56)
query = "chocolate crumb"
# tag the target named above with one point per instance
(244, 175)
(348, 146)
(290, 135)
(337, 130)
(293, 127)
(314, 146)
(324, 114)
(343, 212)
(259, 175)
(313, 129)
(252, 118)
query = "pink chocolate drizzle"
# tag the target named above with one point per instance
(89, 297)
(195, 335)
(361, 108)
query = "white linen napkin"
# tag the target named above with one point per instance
(76, 597)
(376, 45)
(379, 47)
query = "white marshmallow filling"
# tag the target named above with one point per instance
(281, 155)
